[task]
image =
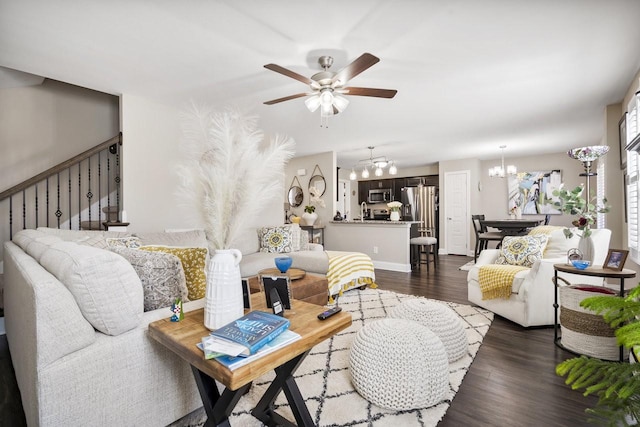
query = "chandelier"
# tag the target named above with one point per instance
(500, 171)
(376, 164)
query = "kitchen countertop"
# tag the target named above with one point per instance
(374, 221)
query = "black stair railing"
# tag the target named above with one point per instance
(79, 193)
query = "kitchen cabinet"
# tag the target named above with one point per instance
(363, 191)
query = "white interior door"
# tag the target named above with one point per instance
(456, 212)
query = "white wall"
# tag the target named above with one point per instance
(41, 126)
(151, 149)
(327, 163)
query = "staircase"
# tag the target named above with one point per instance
(80, 193)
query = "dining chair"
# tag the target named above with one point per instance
(483, 235)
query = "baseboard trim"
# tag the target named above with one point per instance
(392, 266)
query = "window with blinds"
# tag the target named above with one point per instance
(632, 206)
(600, 194)
(632, 187)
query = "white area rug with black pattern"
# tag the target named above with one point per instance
(324, 380)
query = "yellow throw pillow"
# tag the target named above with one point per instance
(193, 263)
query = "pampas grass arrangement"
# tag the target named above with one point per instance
(229, 171)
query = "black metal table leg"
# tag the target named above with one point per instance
(285, 382)
(217, 406)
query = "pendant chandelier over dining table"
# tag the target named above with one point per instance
(500, 171)
(377, 164)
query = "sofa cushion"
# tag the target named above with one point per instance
(185, 239)
(247, 242)
(193, 263)
(104, 285)
(558, 244)
(34, 242)
(521, 250)
(276, 239)
(124, 242)
(304, 240)
(80, 235)
(311, 261)
(161, 275)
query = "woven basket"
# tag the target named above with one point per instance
(583, 331)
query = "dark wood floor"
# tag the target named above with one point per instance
(511, 382)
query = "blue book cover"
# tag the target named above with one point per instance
(247, 334)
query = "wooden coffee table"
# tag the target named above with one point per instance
(182, 337)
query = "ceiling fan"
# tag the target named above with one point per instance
(328, 86)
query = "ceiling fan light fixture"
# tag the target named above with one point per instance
(326, 98)
(312, 103)
(326, 85)
(340, 102)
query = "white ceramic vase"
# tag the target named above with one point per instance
(394, 216)
(223, 302)
(309, 218)
(585, 245)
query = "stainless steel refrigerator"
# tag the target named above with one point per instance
(421, 204)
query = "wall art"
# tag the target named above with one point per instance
(532, 192)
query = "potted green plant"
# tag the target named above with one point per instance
(586, 210)
(617, 385)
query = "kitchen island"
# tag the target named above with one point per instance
(386, 242)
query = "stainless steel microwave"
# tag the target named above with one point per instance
(380, 195)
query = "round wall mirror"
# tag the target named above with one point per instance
(295, 196)
(318, 182)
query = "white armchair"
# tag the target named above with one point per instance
(532, 290)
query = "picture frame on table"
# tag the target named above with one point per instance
(282, 284)
(615, 259)
(622, 137)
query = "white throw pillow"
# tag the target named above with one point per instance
(104, 285)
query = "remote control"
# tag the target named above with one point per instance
(330, 312)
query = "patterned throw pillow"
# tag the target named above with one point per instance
(161, 275)
(522, 250)
(124, 242)
(276, 239)
(193, 263)
(304, 240)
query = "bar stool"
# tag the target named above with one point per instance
(423, 245)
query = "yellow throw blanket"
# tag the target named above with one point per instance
(496, 279)
(349, 269)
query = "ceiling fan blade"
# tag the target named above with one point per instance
(289, 73)
(365, 61)
(286, 98)
(367, 91)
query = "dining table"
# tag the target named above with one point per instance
(511, 227)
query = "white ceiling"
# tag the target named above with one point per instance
(471, 75)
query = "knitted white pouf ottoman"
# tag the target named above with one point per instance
(440, 319)
(399, 364)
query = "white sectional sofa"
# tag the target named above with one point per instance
(78, 339)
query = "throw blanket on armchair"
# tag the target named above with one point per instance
(496, 279)
(348, 270)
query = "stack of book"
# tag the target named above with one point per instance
(248, 338)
